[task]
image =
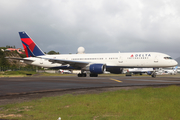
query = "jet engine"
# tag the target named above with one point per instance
(149, 72)
(96, 68)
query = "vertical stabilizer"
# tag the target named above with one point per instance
(30, 47)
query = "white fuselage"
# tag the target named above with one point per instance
(124, 60)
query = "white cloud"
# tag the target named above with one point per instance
(99, 26)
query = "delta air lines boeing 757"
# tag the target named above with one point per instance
(94, 63)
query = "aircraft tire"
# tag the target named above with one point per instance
(153, 75)
(93, 75)
(82, 75)
(79, 75)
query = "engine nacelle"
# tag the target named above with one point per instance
(97, 68)
(149, 73)
(114, 70)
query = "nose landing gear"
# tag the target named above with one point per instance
(153, 74)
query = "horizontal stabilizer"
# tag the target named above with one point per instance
(19, 59)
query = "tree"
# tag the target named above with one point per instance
(7, 46)
(3, 60)
(52, 52)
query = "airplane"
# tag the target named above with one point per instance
(140, 70)
(65, 71)
(93, 63)
(171, 71)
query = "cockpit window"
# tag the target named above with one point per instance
(167, 58)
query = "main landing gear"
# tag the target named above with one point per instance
(93, 75)
(82, 74)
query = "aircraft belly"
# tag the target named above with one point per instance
(46, 64)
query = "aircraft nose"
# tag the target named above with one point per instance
(175, 63)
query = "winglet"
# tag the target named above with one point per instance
(30, 47)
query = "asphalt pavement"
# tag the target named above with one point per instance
(28, 85)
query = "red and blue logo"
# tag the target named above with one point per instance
(29, 45)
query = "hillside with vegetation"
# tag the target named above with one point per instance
(6, 64)
(12, 64)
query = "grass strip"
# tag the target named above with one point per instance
(146, 103)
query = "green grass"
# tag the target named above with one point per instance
(18, 72)
(23, 74)
(140, 104)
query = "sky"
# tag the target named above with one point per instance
(100, 26)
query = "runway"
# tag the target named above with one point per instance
(30, 85)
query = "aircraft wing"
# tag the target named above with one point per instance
(72, 63)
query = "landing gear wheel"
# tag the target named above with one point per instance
(81, 75)
(153, 75)
(93, 75)
(84, 75)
